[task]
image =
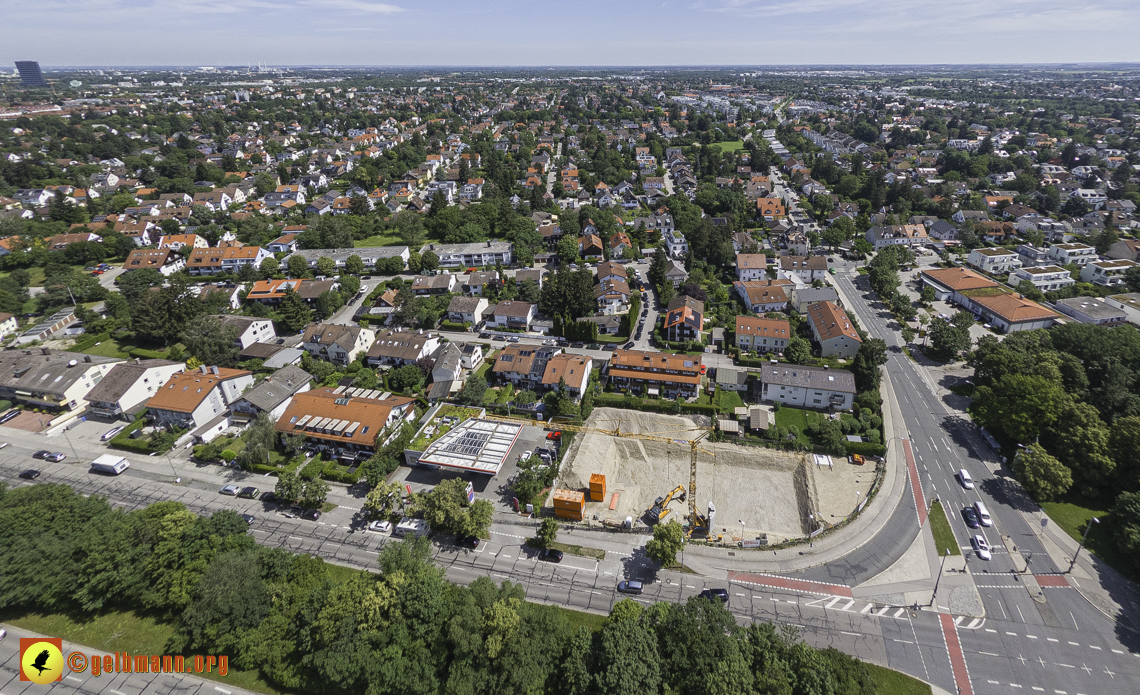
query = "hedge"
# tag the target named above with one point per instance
(143, 353)
(88, 342)
(123, 439)
(454, 326)
(668, 407)
(865, 448)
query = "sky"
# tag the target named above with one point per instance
(579, 33)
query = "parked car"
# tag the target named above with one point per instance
(30, 474)
(627, 346)
(110, 434)
(231, 490)
(610, 348)
(310, 514)
(380, 526)
(578, 344)
(8, 416)
(467, 542)
(981, 546)
(550, 555)
(248, 493)
(249, 518)
(269, 496)
(630, 587)
(499, 338)
(711, 594)
(291, 512)
(484, 335)
(513, 339)
(54, 457)
(971, 517)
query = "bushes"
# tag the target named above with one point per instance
(89, 341)
(865, 448)
(454, 326)
(144, 354)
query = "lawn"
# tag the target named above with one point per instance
(727, 401)
(791, 417)
(891, 682)
(379, 240)
(729, 146)
(943, 535)
(1073, 517)
(591, 621)
(128, 632)
(109, 348)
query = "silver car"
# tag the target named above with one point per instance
(230, 490)
(981, 546)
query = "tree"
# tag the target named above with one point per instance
(288, 488)
(949, 339)
(547, 533)
(928, 295)
(211, 342)
(798, 351)
(446, 509)
(473, 390)
(1124, 522)
(1132, 278)
(294, 313)
(298, 266)
(260, 440)
(383, 499)
(1080, 439)
(406, 378)
(326, 266)
(907, 335)
(666, 543)
(567, 249)
(627, 661)
(353, 265)
(865, 367)
(429, 260)
(270, 267)
(314, 493)
(1020, 406)
(1043, 476)
(229, 600)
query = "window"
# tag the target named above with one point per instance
(365, 430)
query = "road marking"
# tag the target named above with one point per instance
(1032, 636)
(988, 653)
(1040, 690)
(1071, 643)
(738, 593)
(73, 678)
(771, 599)
(993, 682)
(853, 634)
(223, 691)
(1066, 666)
(1050, 639)
(900, 612)
(1093, 646)
(1117, 651)
(115, 692)
(995, 631)
(866, 608)
(904, 641)
(1015, 635)
(791, 602)
(690, 586)
(1014, 685)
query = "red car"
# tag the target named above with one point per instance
(554, 435)
(703, 369)
(98, 272)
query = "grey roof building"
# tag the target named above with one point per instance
(368, 254)
(46, 378)
(1091, 310)
(273, 394)
(809, 387)
(129, 385)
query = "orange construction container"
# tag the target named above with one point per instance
(598, 487)
(569, 504)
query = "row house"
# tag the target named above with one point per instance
(662, 374)
(1045, 278)
(475, 254)
(762, 334)
(335, 343)
(398, 348)
(166, 261)
(343, 423)
(225, 260)
(1106, 273)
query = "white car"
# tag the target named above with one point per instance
(229, 490)
(380, 526)
(980, 545)
(110, 434)
(526, 454)
(965, 479)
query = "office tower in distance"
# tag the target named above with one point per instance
(30, 75)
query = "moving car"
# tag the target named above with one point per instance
(971, 517)
(310, 514)
(550, 555)
(380, 526)
(30, 474)
(630, 587)
(229, 490)
(248, 493)
(710, 594)
(249, 518)
(484, 335)
(965, 479)
(110, 434)
(467, 542)
(980, 545)
(55, 457)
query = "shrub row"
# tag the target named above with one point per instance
(865, 448)
(89, 341)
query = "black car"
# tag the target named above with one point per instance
(310, 515)
(550, 555)
(710, 594)
(627, 346)
(248, 518)
(270, 496)
(467, 542)
(484, 335)
(8, 416)
(578, 344)
(971, 517)
(248, 493)
(30, 474)
(630, 587)
(609, 348)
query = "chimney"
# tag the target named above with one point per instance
(45, 351)
(138, 361)
(215, 370)
(203, 369)
(87, 359)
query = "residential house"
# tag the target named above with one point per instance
(8, 325)
(590, 247)
(897, 235)
(676, 246)
(610, 271)
(369, 255)
(271, 292)
(166, 261)
(683, 324)
(975, 216)
(249, 329)
(530, 275)
(123, 392)
(949, 282)
(523, 365)
(178, 241)
(474, 283)
(994, 261)
(619, 244)
(655, 373)
(1045, 278)
(286, 243)
(1125, 250)
(512, 314)
(343, 423)
(485, 254)
(197, 398)
(1032, 256)
(676, 274)
(399, 347)
(434, 284)
(225, 260)
(448, 365)
(612, 296)
(731, 379)
(1129, 303)
(467, 310)
(833, 330)
(45, 378)
(609, 324)
(272, 395)
(771, 209)
(1106, 273)
(807, 387)
(751, 266)
(762, 296)
(762, 334)
(942, 231)
(1092, 310)
(59, 242)
(231, 292)
(800, 298)
(1011, 312)
(803, 269)
(335, 343)
(1071, 253)
(571, 370)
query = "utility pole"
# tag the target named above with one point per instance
(939, 577)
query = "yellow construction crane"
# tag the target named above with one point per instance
(698, 523)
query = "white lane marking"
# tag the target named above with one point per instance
(1117, 651)
(1032, 636)
(995, 631)
(988, 653)
(223, 691)
(1072, 644)
(1093, 646)
(904, 641)
(900, 612)
(73, 678)
(1050, 639)
(115, 692)
(1015, 635)
(853, 634)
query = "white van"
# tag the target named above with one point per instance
(966, 480)
(408, 525)
(983, 514)
(110, 464)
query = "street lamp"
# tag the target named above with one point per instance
(939, 577)
(741, 532)
(1085, 537)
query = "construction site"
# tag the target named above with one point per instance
(647, 463)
